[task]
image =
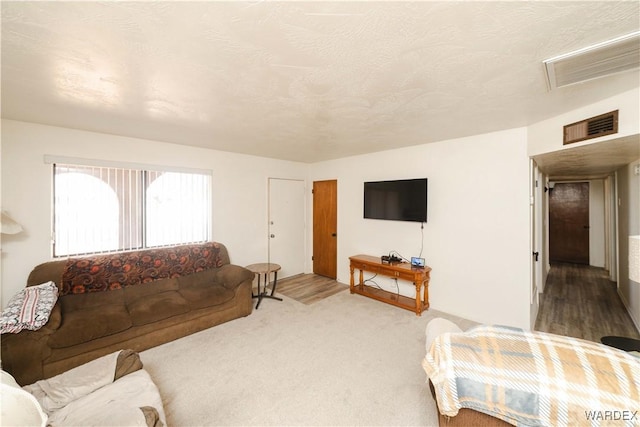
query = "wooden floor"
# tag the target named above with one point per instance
(309, 288)
(579, 301)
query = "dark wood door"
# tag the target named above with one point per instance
(325, 228)
(569, 223)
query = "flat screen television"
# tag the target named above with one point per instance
(399, 200)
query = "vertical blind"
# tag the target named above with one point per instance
(109, 209)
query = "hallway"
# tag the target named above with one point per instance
(580, 301)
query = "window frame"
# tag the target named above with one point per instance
(144, 170)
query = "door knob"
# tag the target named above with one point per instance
(273, 235)
(333, 234)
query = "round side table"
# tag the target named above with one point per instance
(265, 268)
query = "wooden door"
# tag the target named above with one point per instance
(569, 223)
(287, 225)
(325, 228)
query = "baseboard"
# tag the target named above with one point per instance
(635, 321)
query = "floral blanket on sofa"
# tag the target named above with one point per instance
(115, 271)
(533, 378)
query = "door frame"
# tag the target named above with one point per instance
(535, 244)
(610, 224)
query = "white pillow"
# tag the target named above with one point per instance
(18, 408)
(29, 309)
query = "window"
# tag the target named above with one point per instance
(107, 209)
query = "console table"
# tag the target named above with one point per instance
(419, 276)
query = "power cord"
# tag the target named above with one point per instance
(370, 279)
(421, 240)
(421, 246)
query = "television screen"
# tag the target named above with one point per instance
(400, 200)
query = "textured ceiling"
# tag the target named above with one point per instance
(592, 161)
(304, 81)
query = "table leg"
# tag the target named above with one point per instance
(261, 294)
(259, 285)
(351, 281)
(264, 293)
(275, 280)
(426, 294)
(418, 296)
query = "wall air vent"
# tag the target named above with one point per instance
(595, 127)
(603, 59)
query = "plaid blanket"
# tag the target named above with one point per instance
(533, 378)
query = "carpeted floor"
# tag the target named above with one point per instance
(345, 360)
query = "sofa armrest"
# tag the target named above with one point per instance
(466, 417)
(437, 327)
(23, 353)
(128, 361)
(231, 276)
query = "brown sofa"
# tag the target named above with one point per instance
(134, 300)
(466, 417)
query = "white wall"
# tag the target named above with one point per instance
(546, 136)
(239, 187)
(476, 237)
(628, 225)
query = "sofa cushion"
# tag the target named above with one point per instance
(156, 307)
(206, 295)
(201, 278)
(134, 293)
(80, 326)
(77, 302)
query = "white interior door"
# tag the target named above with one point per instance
(533, 245)
(287, 225)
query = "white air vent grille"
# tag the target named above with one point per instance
(595, 127)
(600, 60)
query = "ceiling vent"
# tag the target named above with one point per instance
(603, 59)
(595, 127)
